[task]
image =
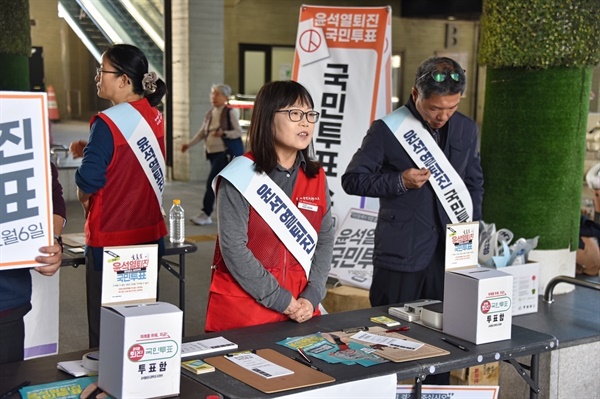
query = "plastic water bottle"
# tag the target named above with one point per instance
(176, 223)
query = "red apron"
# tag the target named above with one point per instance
(229, 305)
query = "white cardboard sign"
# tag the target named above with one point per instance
(352, 261)
(25, 179)
(129, 274)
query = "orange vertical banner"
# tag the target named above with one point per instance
(343, 57)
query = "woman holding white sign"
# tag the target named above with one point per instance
(275, 242)
(123, 163)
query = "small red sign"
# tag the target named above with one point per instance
(136, 353)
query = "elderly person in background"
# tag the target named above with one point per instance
(220, 131)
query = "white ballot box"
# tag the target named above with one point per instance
(478, 304)
(140, 350)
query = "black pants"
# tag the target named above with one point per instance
(391, 287)
(218, 161)
(93, 282)
(12, 335)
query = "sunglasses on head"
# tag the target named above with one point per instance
(441, 76)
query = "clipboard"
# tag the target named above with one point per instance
(303, 375)
(398, 355)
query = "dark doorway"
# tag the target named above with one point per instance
(36, 69)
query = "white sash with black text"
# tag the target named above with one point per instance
(275, 207)
(424, 151)
(143, 143)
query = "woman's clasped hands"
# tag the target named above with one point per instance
(300, 310)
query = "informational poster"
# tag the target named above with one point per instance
(25, 179)
(352, 262)
(129, 274)
(343, 57)
(462, 245)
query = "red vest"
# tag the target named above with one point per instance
(125, 211)
(229, 306)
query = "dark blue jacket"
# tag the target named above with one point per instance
(411, 222)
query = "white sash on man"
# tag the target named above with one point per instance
(424, 151)
(275, 207)
(143, 143)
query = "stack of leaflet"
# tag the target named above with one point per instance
(205, 346)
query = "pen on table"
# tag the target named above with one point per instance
(312, 366)
(300, 351)
(459, 346)
(15, 390)
(404, 328)
(236, 353)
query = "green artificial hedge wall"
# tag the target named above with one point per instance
(15, 72)
(14, 27)
(15, 45)
(540, 33)
(539, 55)
(533, 150)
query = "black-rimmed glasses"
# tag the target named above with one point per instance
(441, 76)
(99, 70)
(296, 115)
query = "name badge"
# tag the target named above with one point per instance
(308, 207)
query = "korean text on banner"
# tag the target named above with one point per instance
(129, 274)
(343, 57)
(25, 179)
(352, 261)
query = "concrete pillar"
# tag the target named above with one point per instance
(198, 62)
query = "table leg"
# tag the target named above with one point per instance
(532, 377)
(182, 287)
(169, 265)
(535, 374)
(417, 391)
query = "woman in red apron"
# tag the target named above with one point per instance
(260, 275)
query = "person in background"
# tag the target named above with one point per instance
(122, 174)
(15, 284)
(274, 246)
(587, 257)
(222, 134)
(409, 250)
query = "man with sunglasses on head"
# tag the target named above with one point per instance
(422, 162)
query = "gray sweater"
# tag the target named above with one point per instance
(233, 212)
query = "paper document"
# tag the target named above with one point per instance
(75, 368)
(387, 341)
(205, 346)
(258, 365)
